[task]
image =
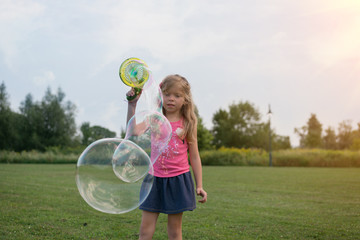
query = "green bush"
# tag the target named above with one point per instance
(37, 157)
(288, 158)
(220, 157)
(316, 158)
(234, 157)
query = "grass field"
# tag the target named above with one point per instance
(42, 202)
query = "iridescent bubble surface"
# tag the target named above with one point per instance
(116, 175)
(151, 131)
(130, 162)
(101, 188)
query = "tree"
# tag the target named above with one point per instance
(344, 134)
(86, 133)
(122, 133)
(236, 127)
(314, 128)
(58, 119)
(221, 129)
(310, 135)
(4, 104)
(302, 134)
(32, 124)
(356, 139)
(281, 142)
(91, 134)
(50, 122)
(261, 139)
(6, 127)
(204, 136)
(10, 123)
(241, 127)
(329, 140)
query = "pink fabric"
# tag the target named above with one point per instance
(174, 160)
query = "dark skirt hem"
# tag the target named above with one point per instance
(166, 212)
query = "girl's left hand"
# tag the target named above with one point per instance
(201, 192)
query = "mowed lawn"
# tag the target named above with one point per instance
(42, 202)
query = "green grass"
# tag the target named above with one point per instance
(42, 202)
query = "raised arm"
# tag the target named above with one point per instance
(131, 105)
(137, 128)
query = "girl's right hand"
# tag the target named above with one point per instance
(130, 94)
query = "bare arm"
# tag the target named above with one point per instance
(195, 162)
(136, 128)
(131, 105)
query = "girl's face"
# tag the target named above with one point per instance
(173, 100)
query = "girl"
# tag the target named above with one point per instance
(172, 192)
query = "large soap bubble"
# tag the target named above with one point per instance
(130, 162)
(101, 188)
(116, 175)
(151, 131)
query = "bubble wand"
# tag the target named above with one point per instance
(134, 73)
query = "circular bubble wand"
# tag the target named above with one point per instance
(134, 73)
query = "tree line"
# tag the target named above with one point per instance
(40, 125)
(312, 135)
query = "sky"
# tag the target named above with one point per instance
(301, 57)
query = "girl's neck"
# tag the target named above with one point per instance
(173, 117)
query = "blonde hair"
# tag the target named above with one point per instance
(188, 109)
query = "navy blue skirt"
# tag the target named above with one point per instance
(171, 195)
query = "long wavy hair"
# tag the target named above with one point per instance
(188, 109)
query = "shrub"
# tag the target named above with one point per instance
(317, 158)
(36, 157)
(220, 157)
(234, 157)
(283, 158)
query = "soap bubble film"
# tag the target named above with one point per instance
(151, 97)
(151, 131)
(116, 175)
(130, 162)
(101, 188)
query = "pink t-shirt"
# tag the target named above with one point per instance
(174, 159)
